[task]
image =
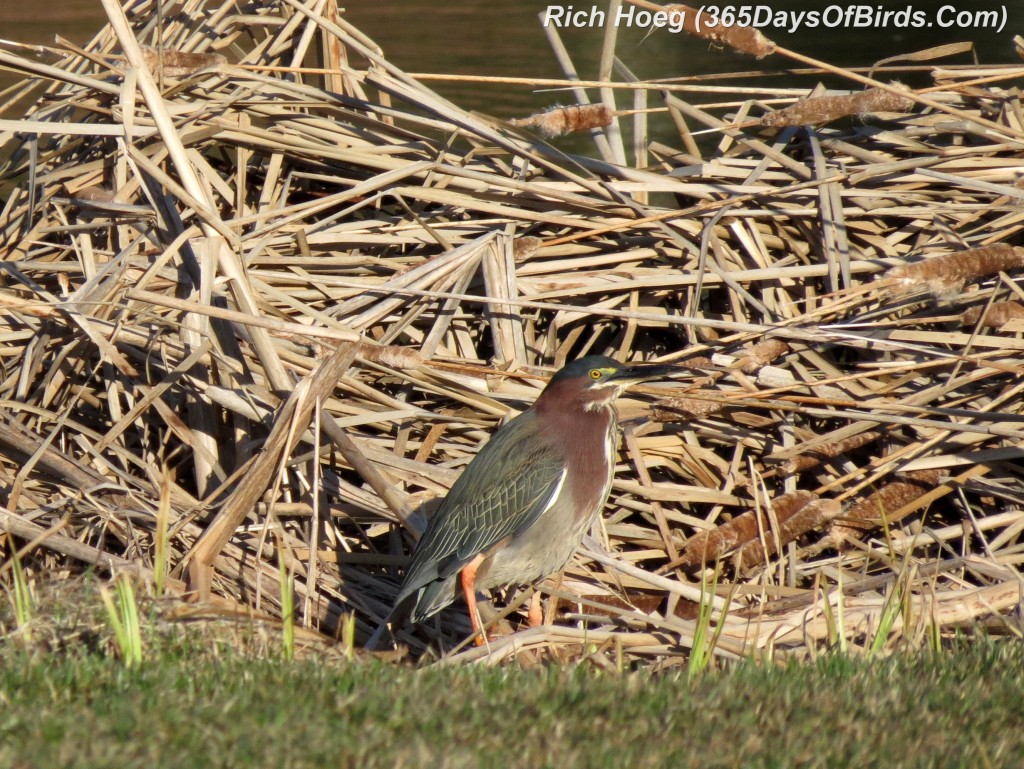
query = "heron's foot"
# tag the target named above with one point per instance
(535, 615)
(481, 638)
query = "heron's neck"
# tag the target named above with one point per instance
(584, 432)
(578, 420)
(563, 401)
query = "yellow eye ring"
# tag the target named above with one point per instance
(595, 373)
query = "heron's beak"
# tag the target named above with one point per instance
(630, 375)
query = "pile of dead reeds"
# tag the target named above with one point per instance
(257, 313)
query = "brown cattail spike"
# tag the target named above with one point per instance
(178, 64)
(761, 354)
(389, 355)
(829, 451)
(947, 274)
(881, 506)
(997, 315)
(708, 546)
(563, 120)
(684, 409)
(811, 517)
(825, 109)
(525, 247)
(720, 29)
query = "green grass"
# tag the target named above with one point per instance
(958, 710)
(221, 693)
(123, 614)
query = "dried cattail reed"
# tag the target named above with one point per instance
(563, 120)
(703, 25)
(525, 247)
(713, 544)
(948, 273)
(878, 507)
(824, 109)
(179, 64)
(684, 409)
(761, 353)
(96, 194)
(811, 517)
(695, 362)
(829, 451)
(389, 355)
(772, 377)
(997, 315)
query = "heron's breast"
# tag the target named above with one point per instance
(590, 461)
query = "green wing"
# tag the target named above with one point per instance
(506, 487)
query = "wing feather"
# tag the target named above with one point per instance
(508, 485)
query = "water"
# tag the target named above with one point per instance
(25, 22)
(506, 39)
(482, 37)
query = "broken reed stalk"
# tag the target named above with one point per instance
(294, 415)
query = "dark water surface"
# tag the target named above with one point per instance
(505, 38)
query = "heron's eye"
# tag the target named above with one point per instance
(595, 373)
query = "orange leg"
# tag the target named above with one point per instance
(468, 578)
(535, 617)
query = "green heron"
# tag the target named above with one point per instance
(520, 509)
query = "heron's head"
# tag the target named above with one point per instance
(596, 381)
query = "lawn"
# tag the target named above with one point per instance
(193, 708)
